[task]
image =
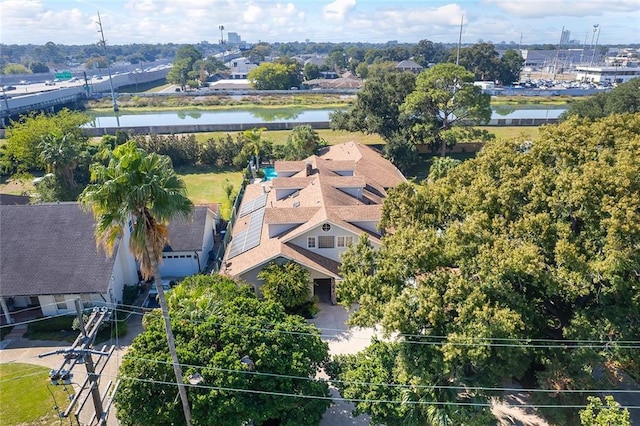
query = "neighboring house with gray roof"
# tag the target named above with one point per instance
(8, 199)
(310, 213)
(409, 65)
(49, 258)
(190, 242)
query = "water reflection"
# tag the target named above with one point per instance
(276, 114)
(264, 115)
(503, 110)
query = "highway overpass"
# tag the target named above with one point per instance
(48, 96)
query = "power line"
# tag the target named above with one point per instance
(371, 401)
(398, 385)
(437, 340)
(523, 342)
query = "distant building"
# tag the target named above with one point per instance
(607, 74)
(409, 65)
(234, 38)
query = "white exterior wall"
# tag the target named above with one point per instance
(330, 253)
(125, 270)
(49, 306)
(208, 238)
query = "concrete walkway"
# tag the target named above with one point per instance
(342, 340)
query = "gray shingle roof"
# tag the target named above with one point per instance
(50, 249)
(188, 234)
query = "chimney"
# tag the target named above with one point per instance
(309, 169)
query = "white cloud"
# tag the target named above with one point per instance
(338, 10)
(559, 8)
(144, 6)
(253, 14)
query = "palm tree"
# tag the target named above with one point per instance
(60, 153)
(139, 190)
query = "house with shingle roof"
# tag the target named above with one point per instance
(410, 65)
(49, 258)
(310, 213)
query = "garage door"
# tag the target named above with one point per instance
(179, 265)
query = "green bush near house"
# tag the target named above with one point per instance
(130, 294)
(56, 328)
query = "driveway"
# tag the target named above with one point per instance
(331, 321)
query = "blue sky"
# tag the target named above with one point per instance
(192, 21)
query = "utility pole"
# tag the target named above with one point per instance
(106, 57)
(595, 47)
(221, 28)
(459, 40)
(555, 62)
(80, 353)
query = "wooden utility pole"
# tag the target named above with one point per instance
(80, 352)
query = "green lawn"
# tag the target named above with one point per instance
(206, 185)
(25, 397)
(508, 132)
(278, 137)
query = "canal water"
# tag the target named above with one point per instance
(290, 115)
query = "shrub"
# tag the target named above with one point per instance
(130, 294)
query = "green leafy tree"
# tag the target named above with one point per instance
(259, 52)
(511, 64)
(444, 97)
(275, 76)
(529, 240)
(9, 69)
(482, 59)
(287, 283)
(185, 66)
(426, 52)
(625, 98)
(256, 362)
(302, 142)
(608, 413)
(38, 67)
(311, 71)
(24, 137)
(377, 105)
(142, 190)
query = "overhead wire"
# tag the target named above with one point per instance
(398, 385)
(442, 340)
(333, 398)
(436, 340)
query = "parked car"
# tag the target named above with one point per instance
(151, 301)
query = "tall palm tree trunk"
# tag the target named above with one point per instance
(170, 339)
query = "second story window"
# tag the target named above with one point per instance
(311, 242)
(326, 242)
(344, 240)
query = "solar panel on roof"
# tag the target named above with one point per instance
(250, 238)
(253, 205)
